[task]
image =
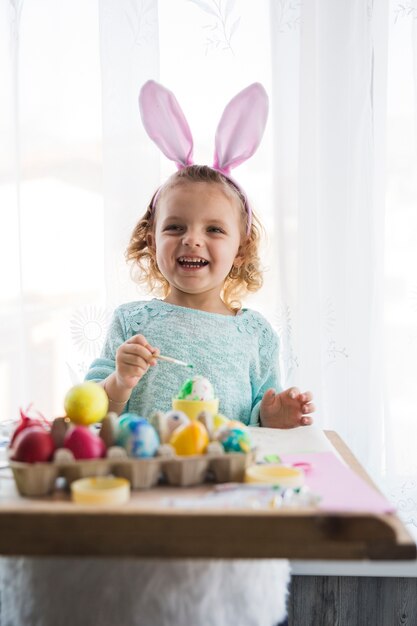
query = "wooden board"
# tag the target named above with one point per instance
(147, 527)
(349, 600)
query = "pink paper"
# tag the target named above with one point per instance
(339, 487)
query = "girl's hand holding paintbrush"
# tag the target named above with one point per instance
(133, 358)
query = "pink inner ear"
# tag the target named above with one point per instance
(165, 123)
(241, 127)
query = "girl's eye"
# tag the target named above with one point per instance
(173, 227)
(216, 229)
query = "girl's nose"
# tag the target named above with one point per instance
(191, 240)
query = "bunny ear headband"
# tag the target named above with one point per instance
(238, 133)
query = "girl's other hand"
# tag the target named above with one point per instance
(133, 359)
(287, 409)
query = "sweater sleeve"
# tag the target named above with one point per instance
(105, 365)
(267, 374)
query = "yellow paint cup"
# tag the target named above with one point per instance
(274, 474)
(193, 408)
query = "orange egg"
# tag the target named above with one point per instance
(190, 439)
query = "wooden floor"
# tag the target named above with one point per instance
(352, 601)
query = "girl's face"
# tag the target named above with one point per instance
(197, 236)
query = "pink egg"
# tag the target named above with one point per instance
(84, 444)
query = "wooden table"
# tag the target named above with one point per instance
(145, 527)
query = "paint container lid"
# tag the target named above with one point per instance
(275, 474)
(100, 490)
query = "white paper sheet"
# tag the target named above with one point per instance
(291, 441)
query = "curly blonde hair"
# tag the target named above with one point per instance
(240, 280)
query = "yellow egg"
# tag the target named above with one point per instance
(220, 420)
(189, 439)
(86, 403)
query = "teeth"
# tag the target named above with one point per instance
(192, 261)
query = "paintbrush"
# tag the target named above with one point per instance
(169, 359)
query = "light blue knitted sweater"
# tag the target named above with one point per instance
(238, 354)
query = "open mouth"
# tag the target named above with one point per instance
(192, 262)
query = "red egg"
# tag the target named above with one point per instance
(33, 445)
(84, 444)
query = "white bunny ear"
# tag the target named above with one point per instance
(165, 123)
(241, 127)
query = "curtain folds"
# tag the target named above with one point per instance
(330, 214)
(129, 56)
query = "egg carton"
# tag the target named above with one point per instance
(39, 479)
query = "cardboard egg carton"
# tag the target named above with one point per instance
(184, 471)
(34, 479)
(39, 479)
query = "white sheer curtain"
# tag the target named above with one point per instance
(129, 54)
(329, 111)
(400, 295)
(333, 182)
(50, 196)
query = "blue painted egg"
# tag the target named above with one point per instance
(235, 439)
(137, 436)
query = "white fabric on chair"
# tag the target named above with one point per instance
(129, 592)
